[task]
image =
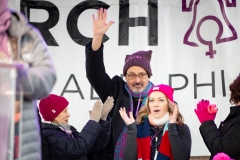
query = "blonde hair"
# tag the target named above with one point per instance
(144, 111)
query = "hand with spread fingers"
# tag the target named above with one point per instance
(99, 28)
(96, 112)
(173, 116)
(126, 119)
(107, 107)
(99, 24)
(205, 111)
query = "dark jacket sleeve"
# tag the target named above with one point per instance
(130, 151)
(104, 136)
(180, 140)
(215, 142)
(96, 74)
(44, 144)
(79, 146)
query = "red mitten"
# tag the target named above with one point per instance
(205, 111)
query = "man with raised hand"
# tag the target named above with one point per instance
(131, 93)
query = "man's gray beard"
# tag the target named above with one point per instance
(137, 90)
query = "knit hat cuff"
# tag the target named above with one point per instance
(144, 64)
(165, 89)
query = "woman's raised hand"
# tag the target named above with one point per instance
(173, 116)
(126, 119)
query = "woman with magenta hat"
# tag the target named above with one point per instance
(160, 131)
(64, 141)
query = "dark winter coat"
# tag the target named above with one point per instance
(225, 139)
(104, 87)
(93, 138)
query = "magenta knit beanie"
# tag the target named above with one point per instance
(51, 106)
(165, 89)
(141, 59)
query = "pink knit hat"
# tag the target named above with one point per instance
(221, 156)
(165, 89)
(51, 106)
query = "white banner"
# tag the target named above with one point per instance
(195, 46)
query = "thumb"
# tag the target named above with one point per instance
(131, 115)
(109, 24)
(196, 111)
(93, 18)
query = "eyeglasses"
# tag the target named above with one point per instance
(134, 76)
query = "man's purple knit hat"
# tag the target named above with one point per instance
(141, 59)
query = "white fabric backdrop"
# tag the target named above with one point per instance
(170, 56)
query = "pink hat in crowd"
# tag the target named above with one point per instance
(51, 106)
(165, 89)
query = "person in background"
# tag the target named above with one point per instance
(226, 138)
(22, 43)
(161, 133)
(130, 93)
(64, 141)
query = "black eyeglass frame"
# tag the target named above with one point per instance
(134, 76)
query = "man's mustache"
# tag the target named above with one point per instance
(137, 84)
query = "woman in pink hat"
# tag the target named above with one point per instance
(64, 141)
(160, 131)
